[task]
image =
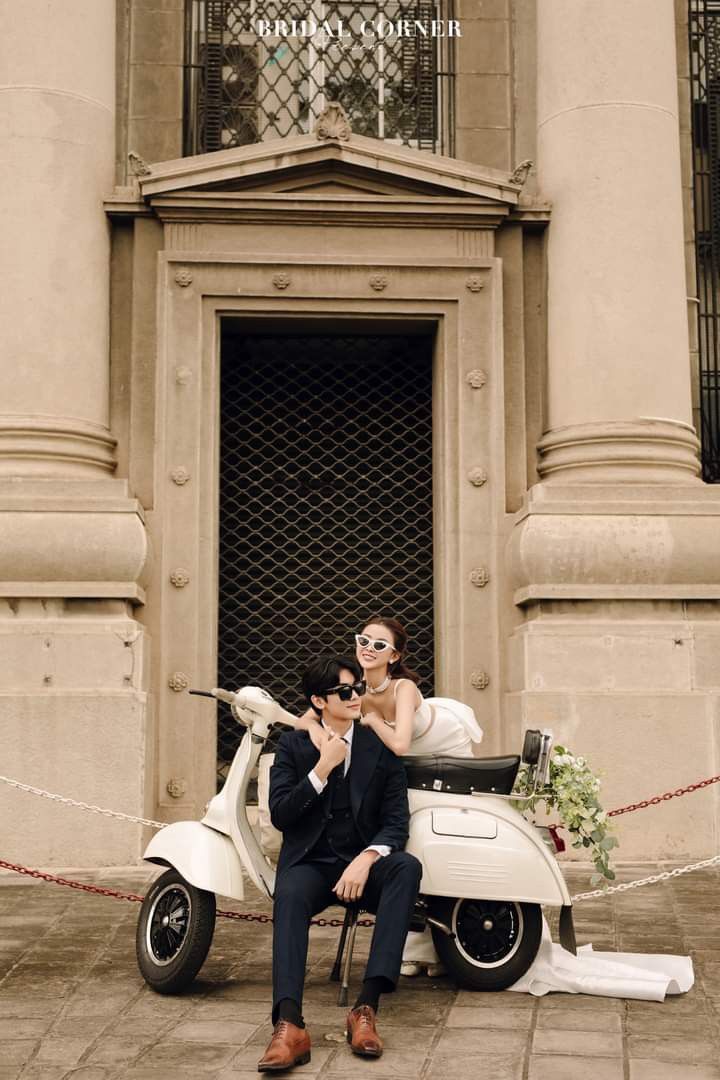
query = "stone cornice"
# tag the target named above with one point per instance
(383, 160)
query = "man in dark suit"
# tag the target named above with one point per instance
(343, 813)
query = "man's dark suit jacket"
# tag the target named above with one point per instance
(378, 794)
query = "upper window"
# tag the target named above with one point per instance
(264, 69)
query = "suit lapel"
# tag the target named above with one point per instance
(366, 749)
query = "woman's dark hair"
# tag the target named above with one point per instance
(324, 673)
(398, 670)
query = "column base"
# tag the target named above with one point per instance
(642, 451)
(635, 689)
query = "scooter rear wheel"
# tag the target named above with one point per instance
(174, 932)
(494, 942)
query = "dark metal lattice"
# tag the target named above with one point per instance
(325, 503)
(704, 30)
(241, 87)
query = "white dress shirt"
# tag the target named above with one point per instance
(320, 785)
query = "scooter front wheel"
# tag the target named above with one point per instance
(174, 932)
(493, 942)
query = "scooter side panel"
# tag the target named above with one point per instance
(509, 866)
(205, 858)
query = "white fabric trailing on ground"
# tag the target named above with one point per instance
(646, 977)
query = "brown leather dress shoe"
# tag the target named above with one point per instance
(289, 1046)
(362, 1033)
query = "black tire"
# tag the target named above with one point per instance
(494, 943)
(174, 933)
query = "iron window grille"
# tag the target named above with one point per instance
(242, 88)
(704, 34)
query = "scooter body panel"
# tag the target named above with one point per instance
(204, 857)
(481, 848)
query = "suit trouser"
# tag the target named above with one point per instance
(305, 889)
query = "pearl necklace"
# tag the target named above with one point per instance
(379, 689)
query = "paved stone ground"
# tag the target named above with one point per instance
(72, 1004)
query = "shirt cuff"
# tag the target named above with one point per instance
(382, 849)
(316, 782)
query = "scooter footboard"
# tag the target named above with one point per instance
(204, 857)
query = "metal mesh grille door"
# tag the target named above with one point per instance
(325, 503)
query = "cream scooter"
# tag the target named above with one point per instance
(486, 870)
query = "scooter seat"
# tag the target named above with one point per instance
(462, 776)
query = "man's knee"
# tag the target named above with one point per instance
(290, 895)
(407, 865)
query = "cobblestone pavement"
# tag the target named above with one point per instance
(72, 1003)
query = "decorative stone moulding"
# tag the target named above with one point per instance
(176, 787)
(281, 281)
(637, 451)
(333, 123)
(474, 283)
(180, 475)
(183, 375)
(480, 680)
(179, 578)
(476, 378)
(480, 576)
(183, 277)
(82, 547)
(378, 282)
(477, 476)
(41, 448)
(178, 681)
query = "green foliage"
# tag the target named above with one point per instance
(572, 792)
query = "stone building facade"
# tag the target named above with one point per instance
(573, 546)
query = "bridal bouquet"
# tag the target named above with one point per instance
(572, 791)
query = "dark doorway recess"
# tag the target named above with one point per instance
(325, 501)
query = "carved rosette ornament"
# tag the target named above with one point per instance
(476, 378)
(474, 283)
(180, 475)
(183, 375)
(176, 787)
(480, 680)
(333, 123)
(183, 277)
(179, 578)
(480, 576)
(281, 281)
(378, 282)
(178, 681)
(477, 477)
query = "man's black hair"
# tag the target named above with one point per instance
(324, 673)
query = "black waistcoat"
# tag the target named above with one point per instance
(340, 838)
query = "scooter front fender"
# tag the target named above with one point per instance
(204, 857)
(484, 852)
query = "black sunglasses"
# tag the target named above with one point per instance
(345, 690)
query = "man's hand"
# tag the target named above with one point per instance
(351, 884)
(332, 753)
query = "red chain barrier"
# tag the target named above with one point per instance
(664, 798)
(246, 916)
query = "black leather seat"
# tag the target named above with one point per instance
(462, 776)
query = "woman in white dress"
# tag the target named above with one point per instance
(409, 724)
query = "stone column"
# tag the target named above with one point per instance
(614, 557)
(57, 148)
(619, 405)
(73, 672)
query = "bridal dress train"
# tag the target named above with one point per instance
(646, 977)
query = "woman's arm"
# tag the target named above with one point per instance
(399, 737)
